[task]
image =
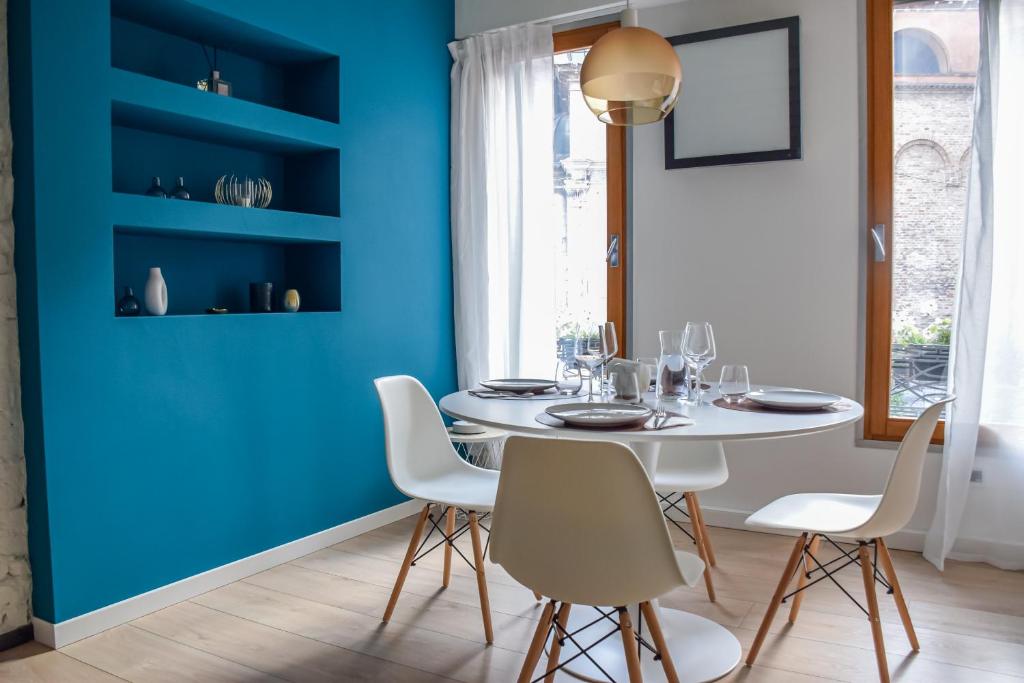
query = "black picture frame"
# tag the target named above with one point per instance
(794, 151)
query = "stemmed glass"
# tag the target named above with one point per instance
(609, 345)
(699, 351)
(589, 352)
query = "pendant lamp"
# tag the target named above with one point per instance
(631, 76)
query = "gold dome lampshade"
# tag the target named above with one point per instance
(631, 76)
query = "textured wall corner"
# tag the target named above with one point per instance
(15, 579)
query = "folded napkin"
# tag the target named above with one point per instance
(669, 423)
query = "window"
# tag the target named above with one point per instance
(589, 180)
(922, 60)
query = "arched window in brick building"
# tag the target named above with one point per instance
(917, 52)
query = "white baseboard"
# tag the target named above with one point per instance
(998, 553)
(66, 632)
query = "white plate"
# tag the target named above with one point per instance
(519, 386)
(793, 399)
(600, 414)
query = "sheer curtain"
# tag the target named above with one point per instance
(987, 375)
(503, 238)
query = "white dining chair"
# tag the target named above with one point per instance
(579, 522)
(684, 470)
(866, 519)
(423, 465)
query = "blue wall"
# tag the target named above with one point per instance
(162, 447)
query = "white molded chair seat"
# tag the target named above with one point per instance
(824, 513)
(470, 489)
(423, 464)
(690, 467)
(868, 519)
(579, 522)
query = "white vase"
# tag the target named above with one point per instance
(156, 293)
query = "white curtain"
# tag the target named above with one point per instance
(503, 237)
(987, 374)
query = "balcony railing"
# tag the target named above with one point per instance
(919, 374)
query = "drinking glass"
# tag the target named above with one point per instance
(699, 351)
(589, 352)
(734, 383)
(609, 347)
(671, 378)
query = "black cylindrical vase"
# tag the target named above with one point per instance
(261, 297)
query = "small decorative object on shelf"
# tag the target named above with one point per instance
(156, 189)
(156, 293)
(214, 83)
(261, 297)
(248, 192)
(180, 191)
(128, 306)
(216, 310)
(291, 300)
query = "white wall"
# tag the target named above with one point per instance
(772, 254)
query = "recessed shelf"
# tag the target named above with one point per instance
(166, 39)
(150, 215)
(149, 104)
(202, 271)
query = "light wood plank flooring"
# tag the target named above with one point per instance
(318, 619)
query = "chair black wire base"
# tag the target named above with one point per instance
(850, 558)
(450, 540)
(563, 635)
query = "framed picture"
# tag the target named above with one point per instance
(740, 100)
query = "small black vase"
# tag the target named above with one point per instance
(261, 297)
(180, 191)
(128, 305)
(156, 189)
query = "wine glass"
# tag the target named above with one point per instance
(609, 346)
(734, 383)
(699, 351)
(589, 352)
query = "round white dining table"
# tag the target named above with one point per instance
(702, 650)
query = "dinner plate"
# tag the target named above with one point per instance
(606, 415)
(793, 399)
(520, 386)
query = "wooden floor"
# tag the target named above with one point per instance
(318, 619)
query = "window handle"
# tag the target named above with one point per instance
(878, 235)
(611, 256)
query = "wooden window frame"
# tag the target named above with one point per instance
(615, 140)
(878, 425)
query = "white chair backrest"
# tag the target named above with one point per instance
(578, 521)
(692, 456)
(418, 447)
(904, 485)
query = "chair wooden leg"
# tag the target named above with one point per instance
(897, 593)
(794, 609)
(481, 579)
(537, 596)
(651, 615)
(449, 529)
(630, 646)
(704, 531)
(867, 570)
(414, 543)
(537, 644)
(691, 505)
(780, 591)
(562, 618)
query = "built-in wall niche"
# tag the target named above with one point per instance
(302, 181)
(202, 273)
(164, 39)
